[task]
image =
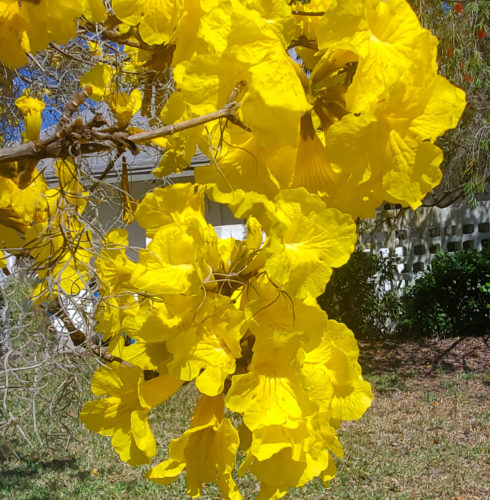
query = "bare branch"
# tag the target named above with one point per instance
(90, 141)
(71, 107)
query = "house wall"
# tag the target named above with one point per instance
(220, 216)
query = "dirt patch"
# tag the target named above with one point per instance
(426, 356)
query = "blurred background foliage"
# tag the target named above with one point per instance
(463, 56)
(452, 298)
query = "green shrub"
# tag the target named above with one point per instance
(452, 298)
(356, 295)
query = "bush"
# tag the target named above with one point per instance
(452, 298)
(356, 295)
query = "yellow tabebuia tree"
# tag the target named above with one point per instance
(310, 114)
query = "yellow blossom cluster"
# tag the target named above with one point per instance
(45, 223)
(337, 106)
(357, 122)
(240, 320)
(22, 186)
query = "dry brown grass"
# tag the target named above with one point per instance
(422, 438)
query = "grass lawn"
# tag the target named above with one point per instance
(424, 437)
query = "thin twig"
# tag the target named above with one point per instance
(71, 56)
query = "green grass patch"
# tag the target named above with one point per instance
(422, 438)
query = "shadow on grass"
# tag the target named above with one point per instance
(30, 467)
(426, 356)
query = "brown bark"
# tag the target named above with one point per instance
(83, 140)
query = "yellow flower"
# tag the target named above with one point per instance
(94, 10)
(394, 115)
(123, 414)
(156, 19)
(58, 241)
(178, 203)
(282, 458)
(181, 146)
(307, 240)
(241, 168)
(207, 450)
(237, 260)
(19, 208)
(50, 21)
(31, 26)
(370, 134)
(312, 169)
(174, 261)
(99, 78)
(124, 105)
(152, 356)
(158, 320)
(271, 312)
(3, 260)
(207, 351)
(114, 270)
(333, 374)
(271, 393)
(31, 109)
(309, 25)
(13, 38)
(244, 48)
(62, 255)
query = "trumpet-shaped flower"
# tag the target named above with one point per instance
(31, 109)
(177, 203)
(207, 450)
(125, 106)
(123, 414)
(403, 108)
(241, 168)
(159, 320)
(114, 268)
(307, 240)
(333, 374)
(282, 458)
(19, 208)
(207, 351)
(156, 19)
(271, 393)
(99, 78)
(50, 21)
(70, 193)
(152, 356)
(62, 250)
(13, 38)
(246, 49)
(378, 126)
(174, 261)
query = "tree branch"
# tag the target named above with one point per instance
(226, 111)
(303, 13)
(89, 141)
